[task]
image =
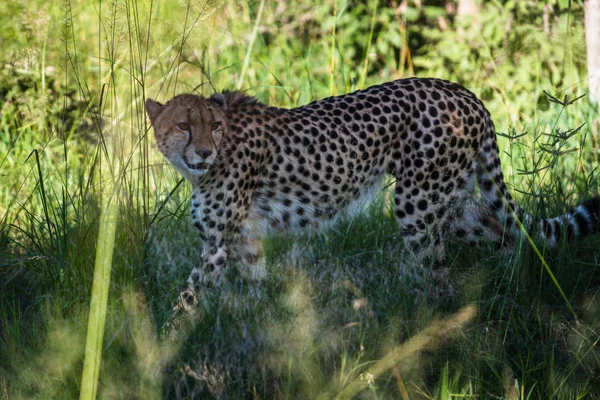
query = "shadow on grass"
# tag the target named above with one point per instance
(342, 313)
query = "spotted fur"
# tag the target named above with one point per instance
(256, 168)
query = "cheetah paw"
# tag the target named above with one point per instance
(183, 315)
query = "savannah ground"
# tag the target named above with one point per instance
(342, 312)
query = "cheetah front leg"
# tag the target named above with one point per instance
(209, 272)
(250, 250)
(218, 219)
(217, 254)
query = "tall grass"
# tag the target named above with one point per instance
(343, 312)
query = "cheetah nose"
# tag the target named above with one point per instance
(204, 153)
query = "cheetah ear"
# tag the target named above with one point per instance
(153, 108)
(219, 100)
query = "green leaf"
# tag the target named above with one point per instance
(411, 14)
(564, 4)
(434, 12)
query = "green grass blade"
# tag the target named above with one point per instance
(250, 46)
(332, 58)
(363, 76)
(99, 300)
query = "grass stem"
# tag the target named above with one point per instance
(250, 46)
(99, 299)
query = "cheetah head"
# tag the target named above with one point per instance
(188, 130)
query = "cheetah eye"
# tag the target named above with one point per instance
(215, 125)
(184, 126)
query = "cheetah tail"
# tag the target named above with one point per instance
(581, 221)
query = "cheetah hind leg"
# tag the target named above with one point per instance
(423, 232)
(428, 248)
(467, 221)
(476, 226)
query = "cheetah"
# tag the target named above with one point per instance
(256, 168)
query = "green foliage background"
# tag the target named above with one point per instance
(73, 77)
